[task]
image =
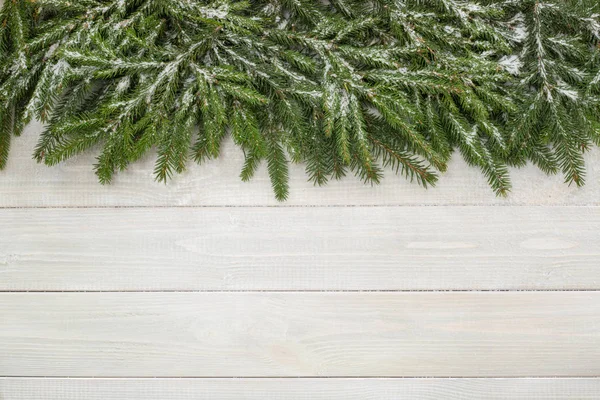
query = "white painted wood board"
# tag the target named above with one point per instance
(332, 275)
(299, 389)
(73, 183)
(364, 334)
(350, 248)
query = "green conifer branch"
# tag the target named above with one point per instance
(342, 85)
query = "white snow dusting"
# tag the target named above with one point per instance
(215, 13)
(567, 91)
(512, 64)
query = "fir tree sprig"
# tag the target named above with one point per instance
(342, 85)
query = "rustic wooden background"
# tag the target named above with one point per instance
(207, 288)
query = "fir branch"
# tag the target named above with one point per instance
(342, 86)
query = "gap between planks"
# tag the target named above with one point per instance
(284, 206)
(293, 206)
(299, 378)
(301, 389)
(309, 291)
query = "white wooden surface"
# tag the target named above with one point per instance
(352, 248)
(300, 334)
(344, 292)
(300, 389)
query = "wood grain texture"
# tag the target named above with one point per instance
(299, 389)
(367, 334)
(352, 248)
(27, 184)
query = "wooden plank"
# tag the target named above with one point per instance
(27, 184)
(351, 248)
(299, 389)
(342, 334)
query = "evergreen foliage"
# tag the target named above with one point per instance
(340, 85)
